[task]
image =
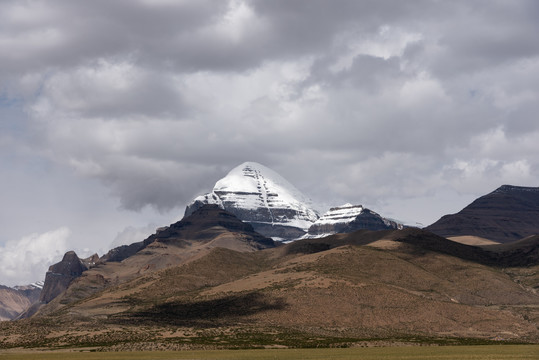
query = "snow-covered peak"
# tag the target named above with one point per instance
(35, 285)
(341, 214)
(209, 198)
(262, 197)
(38, 284)
(254, 178)
(349, 218)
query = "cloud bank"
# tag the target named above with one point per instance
(21, 260)
(372, 102)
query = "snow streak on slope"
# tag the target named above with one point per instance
(34, 285)
(349, 218)
(340, 215)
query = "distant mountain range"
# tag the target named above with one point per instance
(211, 273)
(14, 301)
(218, 279)
(275, 208)
(211, 281)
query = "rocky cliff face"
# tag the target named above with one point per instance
(349, 218)
(261, 197)
(60, 275)
(509, 213)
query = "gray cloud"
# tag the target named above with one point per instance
(375, 102)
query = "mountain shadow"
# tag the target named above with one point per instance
(222, 311)
(520, 253)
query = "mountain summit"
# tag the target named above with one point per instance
(349, 218)
(263, 198)
(507, 214)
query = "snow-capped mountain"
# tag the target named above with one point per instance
(34, 285)
(15, 300)
(263, 198)
(349, 218)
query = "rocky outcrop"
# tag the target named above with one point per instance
(60, 275)
(90, 261)
(261, 197)
(507, 214)
(349, 218)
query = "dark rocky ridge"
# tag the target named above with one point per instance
(260, 219)
(507, 214)
(370, 220)
(198, 227)
(366, 220)
(60, 275)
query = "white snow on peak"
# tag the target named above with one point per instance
(256, 178)
(252, 186)
(210, 198)
(35, 285)
(340, 215)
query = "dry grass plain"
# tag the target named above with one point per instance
(490, 352)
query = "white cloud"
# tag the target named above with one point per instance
(21, 261)
(481, 176)
(237, 21)
(517, 172)
(386, 43)
(420, 91)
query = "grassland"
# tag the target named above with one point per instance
(490, 352)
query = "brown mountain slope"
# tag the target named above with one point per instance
(507, 214)
(472, 240)
(206, 224)
(184, 241)
(14, 301)
(336, 290)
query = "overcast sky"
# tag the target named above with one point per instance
(115, 114)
